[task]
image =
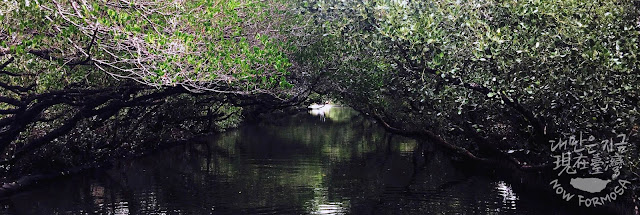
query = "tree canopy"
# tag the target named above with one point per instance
(218, 46)
(108, 76)
(482, 77)
(554, 67)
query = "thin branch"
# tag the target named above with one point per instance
(17, 89)
(6, 63)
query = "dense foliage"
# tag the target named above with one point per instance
(86, 80)
(217, 46)
(486, 78)
(502, 73)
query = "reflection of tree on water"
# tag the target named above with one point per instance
(298, 166)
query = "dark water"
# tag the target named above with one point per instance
(304, 164)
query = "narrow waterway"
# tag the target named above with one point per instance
(334, 163)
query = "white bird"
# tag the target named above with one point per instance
(325, 106)
(320, 110)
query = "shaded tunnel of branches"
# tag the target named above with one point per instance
(93, 124)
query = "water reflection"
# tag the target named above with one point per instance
(508, 196)
(297, 165)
